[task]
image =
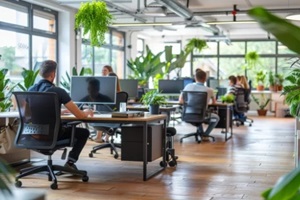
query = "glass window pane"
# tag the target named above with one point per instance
(212, 49)
(118, 62)
(44, 21)
(235, 48)
(209, 65)
(284, 50)
(13, 13)
(117, 38)
(101, 58)
(262, 47)
(140, 45)
(15, 53)
(230, 66)
(86, 56)
(284, 64)
(43, 49)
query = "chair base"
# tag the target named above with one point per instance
(113, 149)
(51, 175)
(197, 135)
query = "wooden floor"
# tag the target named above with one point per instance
(240, 168)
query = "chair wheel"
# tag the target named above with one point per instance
(250, 124)
(180, 140)
(85, 178)
(163, 164)
(90, 155)
(172, 163)
(116, 156)
(53, 186)
(18, 184)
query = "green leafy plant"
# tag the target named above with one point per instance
(252, 59)
(153, 97)
(271, 78)
(6, 178)
(260, 77)
(279, 79)
(195, 44)
(145, 66)
(29, 77)
(6, 88)
(66, 81)
(229, 98)
(94, 18)
(262, 102)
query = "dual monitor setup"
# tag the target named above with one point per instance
(102, 89)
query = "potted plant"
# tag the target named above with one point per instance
(93, 17)
(29, 77)
(6, 88)
(262, 102)
(260, 80)
(279, 78)
(153, 99)
(252, 59)
(145, 66)
(272, 82)
(229, 98)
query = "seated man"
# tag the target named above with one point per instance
(48, 72)
(199, 86)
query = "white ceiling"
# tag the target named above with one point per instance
(130, 11)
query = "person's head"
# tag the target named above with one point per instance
(48, 70)
(106, 70)
(238, 79)
(200, 76)
(118, 82)
(93, 87)
(244, 82)
(232, 80)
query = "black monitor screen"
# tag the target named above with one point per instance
(130, 86)
(187, 81)
(170, 86)
(213, 83)
(93, 89)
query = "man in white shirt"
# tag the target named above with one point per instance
(199, 86)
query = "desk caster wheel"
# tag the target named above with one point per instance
(85, 178)
(53, 186)
(172, 163)
(90, 155)
(18, 184)
(163, 164)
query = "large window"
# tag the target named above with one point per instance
(25, 44)
(111, 53)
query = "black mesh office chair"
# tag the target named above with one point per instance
(110, 129)
(195, 112)
(248, 100)
(240, 106)
(39, 128)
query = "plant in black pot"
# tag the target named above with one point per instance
(153, 99)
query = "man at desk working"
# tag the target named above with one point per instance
(48, 73)
(200, 78)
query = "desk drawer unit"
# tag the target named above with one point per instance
(132, 142)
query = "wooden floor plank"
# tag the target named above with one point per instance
(240, 168)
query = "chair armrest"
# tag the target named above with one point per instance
(73, 124)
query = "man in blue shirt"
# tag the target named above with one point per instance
(48, 73)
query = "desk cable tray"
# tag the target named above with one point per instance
(127, 114)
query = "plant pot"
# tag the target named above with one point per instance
(273, 88)
(279, 87)
(260, 87)
(262, 112)
(154, 109)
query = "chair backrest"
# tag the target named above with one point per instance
(39, 120)
(240, 105)
(194, 106)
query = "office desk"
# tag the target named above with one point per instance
(225, 111)
(144, 121)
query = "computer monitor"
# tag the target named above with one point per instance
(213, 83)
(130, 86)
(187, 81)
(221, 92)
(94, 89)
(170, 86)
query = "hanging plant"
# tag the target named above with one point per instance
(94, 18)
(252, 59)
(195, 44)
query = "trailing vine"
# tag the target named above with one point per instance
(94, 18)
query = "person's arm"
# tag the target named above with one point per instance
(72, 107)
(180, 99)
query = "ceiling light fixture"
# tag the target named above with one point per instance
(231, 22)
(295, 17)
(142, 24)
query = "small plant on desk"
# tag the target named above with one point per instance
(229, 98)
(153, 99)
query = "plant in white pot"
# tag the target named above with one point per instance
(153, 99)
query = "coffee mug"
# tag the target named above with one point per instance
(122, 107)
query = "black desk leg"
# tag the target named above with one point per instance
(145, 142)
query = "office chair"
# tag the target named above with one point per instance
(110, 129)
(195, 112)
(39, 130)
(240, 106)
(248, 100)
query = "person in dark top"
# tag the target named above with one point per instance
(94, 94)
(48, 73)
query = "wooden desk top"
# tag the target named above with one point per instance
(144, 108)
